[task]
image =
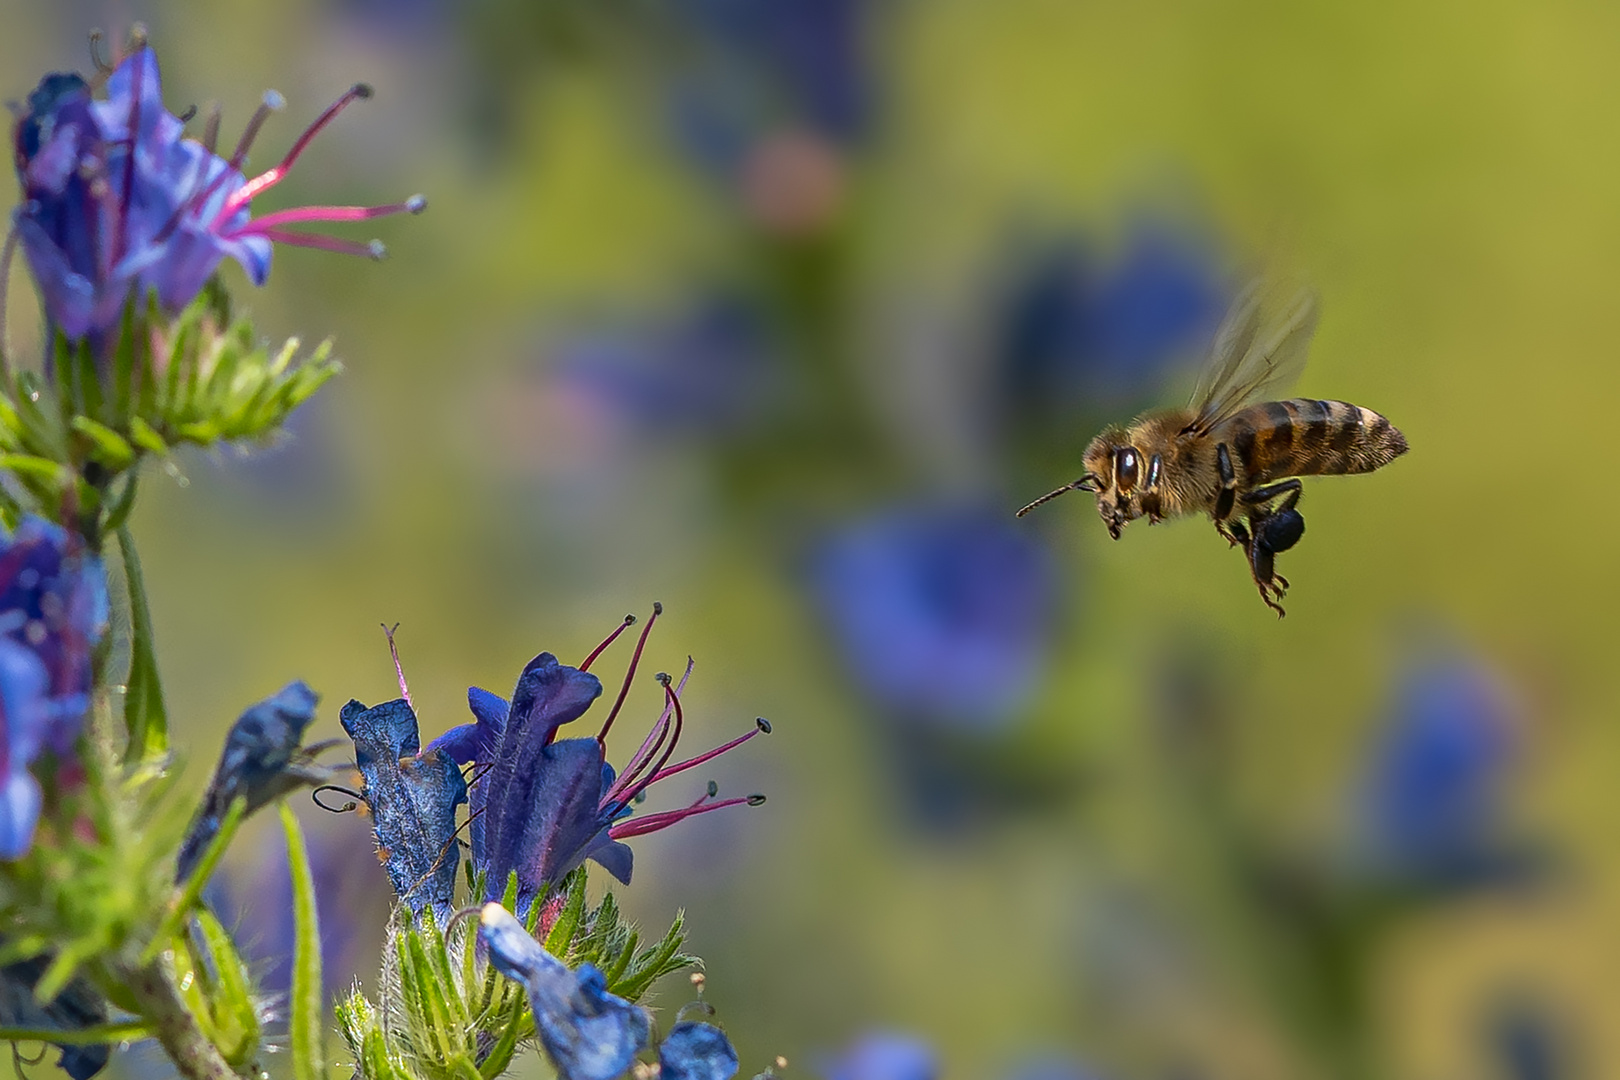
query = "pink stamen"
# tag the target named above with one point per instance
(762, 727)
(272, 102)
(372, 249)
(639, 826)
(393, 650)
(641, 643)
(271, 177)
(629, 620)
(414, 205)
(649, 745)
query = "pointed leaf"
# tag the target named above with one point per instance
(145, 718)
(306, 1006)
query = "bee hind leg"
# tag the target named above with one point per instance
(1273, 533)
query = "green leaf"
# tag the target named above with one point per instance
(86, 1036)
(146, 437)
(145, 718)
(190, 896)
(230, 993)
(306, 1006)
(560, 941)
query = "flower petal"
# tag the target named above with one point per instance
(696, 1051)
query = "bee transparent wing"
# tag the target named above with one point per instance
(1249, 359)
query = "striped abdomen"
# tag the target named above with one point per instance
(1306, 437)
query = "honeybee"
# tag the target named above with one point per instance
(1231, 455)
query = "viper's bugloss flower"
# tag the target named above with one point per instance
(263, 759)
(588, 1033)
(53, 611)
(412, 795)
(1430, 803)
(694, 1050)
(1078, 328)
(942, 613)
(542, 806)
(886, 1056)
(117, 204)
(77, 1006)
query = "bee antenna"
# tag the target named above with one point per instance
(1085, 483)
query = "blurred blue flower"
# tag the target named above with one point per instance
(713, 371)
(942, 613)
(1053, 1068)
(1083, 331)
(263, 759)
(696, 1051)
(1430, 801)
(53, 611)
(542, 806)
(79, 1005)
(116, 202)
(1527, 1041)
(588, 1033)
(886, 1056)
(412, 795)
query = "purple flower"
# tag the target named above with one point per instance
(412, 795)
(263, 759)
(886, 1056)
(53, 611)
(542, 806)
(1430, 801)
(117, 204)
(588, 1033)
(942, 613)
(1077, 328)
(696, 1051)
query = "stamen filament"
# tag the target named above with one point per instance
(692, 763)
(629, 620)
(272, 102)
(271, 177)
(651, 743)
(638, 826)
(638, 786)
(414, 205)
(630, 672)
(372, 249)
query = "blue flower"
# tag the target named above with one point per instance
(588, 1033)
(263, 759)
(1430, 801)
(79, 1005)
(886, 1056)
(53, 611)
(696, 1051)
(117, 204)
(1078, 330)
(942, 613)
(542, 806)
(412, 795)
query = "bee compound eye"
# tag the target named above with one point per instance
(1125, 468)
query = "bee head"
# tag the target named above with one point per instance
(1115, 469)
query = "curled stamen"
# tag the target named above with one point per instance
(271, 177)
(210, 137)
(354, 799)
(101, 65)
(699, 1006)
(190, 113)
(459, 917)
(641, 777)
(629, 621)
(630, 672)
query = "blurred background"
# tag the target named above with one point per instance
(775, 311)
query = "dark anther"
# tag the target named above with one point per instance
(756, 800)
(630, 620)
(640, 797)
(187, 116)
(763, 724)
(658, 609)
(354, 796)
(362, 90)
(663, 679)
(714, 789)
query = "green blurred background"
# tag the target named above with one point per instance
(1444, 175)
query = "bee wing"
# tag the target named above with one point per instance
(1248, 358)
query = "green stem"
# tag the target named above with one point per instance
(153, 987)
(85, 1036)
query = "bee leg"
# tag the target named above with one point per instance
(1260, 496)
(1228, 495)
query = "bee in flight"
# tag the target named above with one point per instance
(1232, 455)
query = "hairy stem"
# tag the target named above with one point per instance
(193, 1053)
